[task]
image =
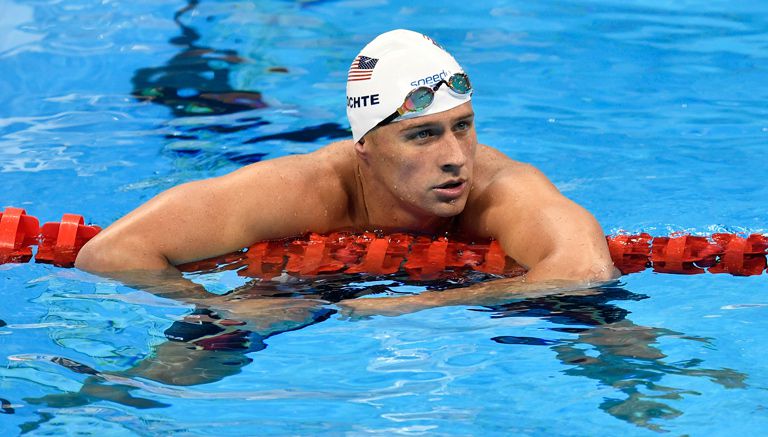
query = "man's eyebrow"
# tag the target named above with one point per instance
(431, 124)
(469, 116)
(434, 124)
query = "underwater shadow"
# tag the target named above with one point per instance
(614, 351)
(196, 82)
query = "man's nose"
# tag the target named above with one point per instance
(454, 155)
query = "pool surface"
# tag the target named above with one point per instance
(651, 114)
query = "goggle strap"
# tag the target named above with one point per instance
(402, 110)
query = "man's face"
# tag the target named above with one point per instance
(426, 163)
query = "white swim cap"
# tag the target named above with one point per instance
(390, 67)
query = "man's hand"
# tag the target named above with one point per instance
(265, 315)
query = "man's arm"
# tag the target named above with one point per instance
(206, 218)
(552, 236)
(489, 293)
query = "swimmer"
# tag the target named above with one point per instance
(413, 164)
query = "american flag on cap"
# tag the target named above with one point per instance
(362, 68)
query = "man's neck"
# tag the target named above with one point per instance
(386, 213)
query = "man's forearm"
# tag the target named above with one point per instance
(136, 266)
(168, 283)
(482, 294)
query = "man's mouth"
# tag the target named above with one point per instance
(452, 189)
(450, 185)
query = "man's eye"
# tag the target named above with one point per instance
(462, 125)
(421, 135)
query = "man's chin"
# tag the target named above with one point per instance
(450, 209)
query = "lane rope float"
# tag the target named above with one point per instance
(57, 243)
(372, 253)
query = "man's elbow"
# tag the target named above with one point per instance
(93, 257)
(575, 269)
(103, 255)
(600, 272)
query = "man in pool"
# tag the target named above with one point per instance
(413, 164)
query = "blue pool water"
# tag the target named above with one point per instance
(649, 113)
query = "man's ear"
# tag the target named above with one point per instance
(361, 149)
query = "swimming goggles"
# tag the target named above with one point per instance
(420, 98)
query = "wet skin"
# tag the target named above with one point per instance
(419, 170)
(425, 174)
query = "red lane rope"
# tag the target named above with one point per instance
(18, 231)
(58, 243)
(421, 257)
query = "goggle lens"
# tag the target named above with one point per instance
(419, 99)
(459, 82)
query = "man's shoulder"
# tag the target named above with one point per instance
(340, 154)
(323, 176)
(334, 160)
(334, 163)
(504, 191)
(494, 168)
(294, 186)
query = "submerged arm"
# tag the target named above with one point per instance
(483, 294)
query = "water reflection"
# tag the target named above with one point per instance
(6, 407)
(616, 352)
(196, 82)
(205, 348)
(608, 347)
